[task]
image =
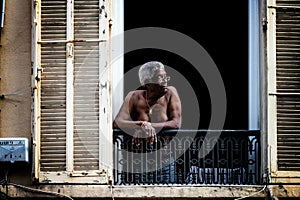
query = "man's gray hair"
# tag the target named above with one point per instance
(147, 71)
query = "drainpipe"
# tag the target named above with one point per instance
(2, 15)
(2, 12)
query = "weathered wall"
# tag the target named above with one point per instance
(15, 74)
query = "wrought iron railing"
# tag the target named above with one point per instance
(189, 157)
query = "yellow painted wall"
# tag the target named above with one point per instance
(15, 74)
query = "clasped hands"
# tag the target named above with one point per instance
(146, 132)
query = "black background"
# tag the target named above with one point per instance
(220, 27)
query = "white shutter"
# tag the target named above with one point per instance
(53, 86)
(288, 84)
(284, 89)
(74, 52)
(86, 90)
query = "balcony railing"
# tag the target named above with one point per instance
(204, 157)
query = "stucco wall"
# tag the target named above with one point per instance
(16, 69)
(15, 74)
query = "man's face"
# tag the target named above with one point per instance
(159, 82)
(160, 78)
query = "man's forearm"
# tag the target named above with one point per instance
(126, 124)
(173, 124)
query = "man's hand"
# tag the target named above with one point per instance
(137, 138)
(149, 131)
(146, 132)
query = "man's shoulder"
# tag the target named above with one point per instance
(134, 93)
(172, 89)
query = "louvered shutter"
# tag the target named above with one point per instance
(74, 49)
(288, 84)
(86, 82)
(53, 86)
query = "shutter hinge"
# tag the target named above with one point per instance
(265, 24)
(110, 23)
(70, 50)
(35, 3)
(39, 74)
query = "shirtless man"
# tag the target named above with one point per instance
(152, 108)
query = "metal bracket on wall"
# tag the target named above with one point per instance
(2, 96)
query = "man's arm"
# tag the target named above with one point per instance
(123, 119)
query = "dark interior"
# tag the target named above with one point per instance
(221, 28)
